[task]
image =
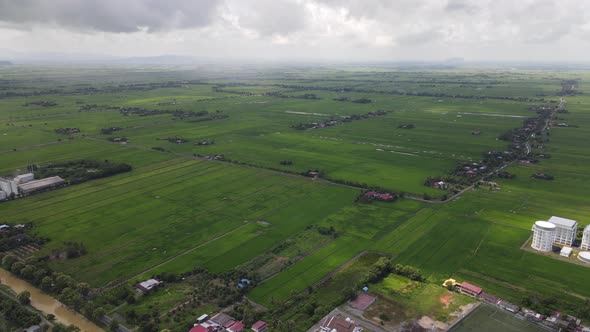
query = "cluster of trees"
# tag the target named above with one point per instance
(305, 96)
(67, 131)
(409, 93)
(334, 122)
(17, 237)
(16, 314)
(327, 230)
(78, 296)
(110, 130)
(94, 107)
(358, 101)
(568, 88)
(173, 139)
(206, 288)
(70, 250)
(145, 112)
(41, 103)
(211, 118)
(383, 267)
(543, 176)
(506, 175)
(78, 171)
(286, 162)
(471, 172)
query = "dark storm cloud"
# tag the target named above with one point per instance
(109, 15)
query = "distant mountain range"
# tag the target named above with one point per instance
(5, 63)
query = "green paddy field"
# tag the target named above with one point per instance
(177, 211)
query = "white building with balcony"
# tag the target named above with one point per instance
(585, 245)
(565, 230)
(543, 235)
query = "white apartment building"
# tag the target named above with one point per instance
(565, 230)
(543, 235)
(586, 239)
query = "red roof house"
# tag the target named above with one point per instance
(469, 289)
(199, 328)
(237, 327)
(259, 326)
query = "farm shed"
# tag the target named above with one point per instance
(41, 184)
(148, 285)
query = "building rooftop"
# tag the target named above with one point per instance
(545, 225)
(222, 318)
(336, 323)
(24, 177)
(237, 327)
(508, 305)
(149, 284)
(259, 324)
(488, 297)
(199, 328)
(566, 251)
(472, 288)
(559, 221)
(38, 184)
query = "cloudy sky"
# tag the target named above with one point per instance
(357, 30)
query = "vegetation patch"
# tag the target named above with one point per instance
(67, 131)
(335, 122)
(78, 171)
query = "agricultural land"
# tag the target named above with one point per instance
(300, 180)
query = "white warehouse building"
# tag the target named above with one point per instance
(8, 186)
(543, 235)
(565, 230)
(585, 245)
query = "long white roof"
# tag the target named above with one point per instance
(559, 221)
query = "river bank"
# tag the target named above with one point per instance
(47, 304)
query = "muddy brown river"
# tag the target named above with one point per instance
(47, 304)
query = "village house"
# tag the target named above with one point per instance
(147, 285)
(237, 327)
(219, 322)
(469, 289)
(259, 326)
(489, 298)
(339, 324)
(508, 306)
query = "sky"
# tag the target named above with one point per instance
(329, 30)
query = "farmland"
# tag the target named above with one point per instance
(217, 180)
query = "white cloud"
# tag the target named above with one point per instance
(329, 29)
